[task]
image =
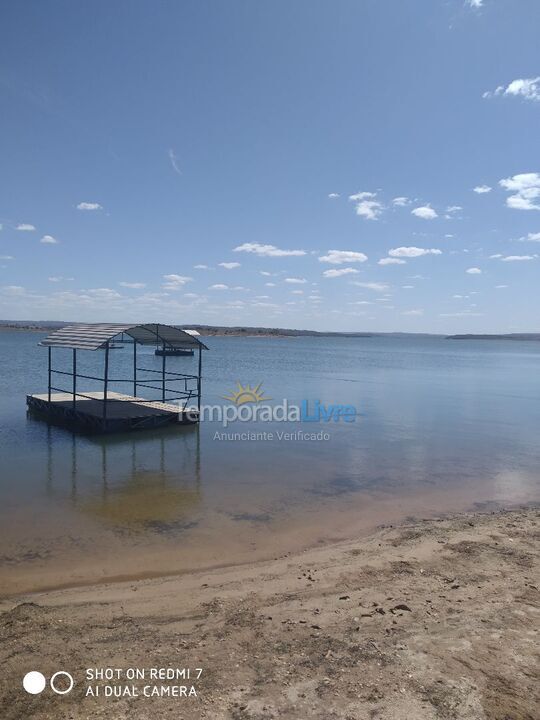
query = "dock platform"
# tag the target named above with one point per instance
(124, 412)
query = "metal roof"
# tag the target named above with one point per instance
(95, 336)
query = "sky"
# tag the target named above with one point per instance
(355, 165)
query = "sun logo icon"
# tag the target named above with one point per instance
(246, 394)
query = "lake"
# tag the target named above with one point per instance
(440, 426)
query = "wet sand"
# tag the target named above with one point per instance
(430, 619)
(75, 551)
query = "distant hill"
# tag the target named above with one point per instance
(32, 324)
(247, 331)
(509, 336)
(268, 332)
(44, 325)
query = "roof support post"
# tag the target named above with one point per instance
(49, 374)
(164, 357)
(199, 381)
(105, 383)
(74, 400)
(134, 368)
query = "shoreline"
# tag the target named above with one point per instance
(422, 619)
(254, 332)
(112, 562)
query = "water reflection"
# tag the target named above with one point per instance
(129, 483)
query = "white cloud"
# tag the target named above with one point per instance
(201, 267)
(267, 250)
(174, 161)
(366, 205)
(297, 292)
(452, 209)
(425, 212)
(338, 257)
(219, 286)
(270, 284)
(526, 88)
(473, 271)
(500, 287)
(531, 237)
(461, 314)
(475, 3)
(529, 88)
(296, 281)
(333, 196)
(525, 189)
(334, 273)
(49, 240)
(517, 258)
(411, 252)
(89, 206)
(499, 90)
(418, 311)
(25, 227)
(7, 257)
(377, 286)
(13, 290)
(391, 261)
(482, 189)
(401, 201)
(175, 282)
(229, 265)
(103, 293)
(132, 285)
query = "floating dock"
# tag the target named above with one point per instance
(124, 412)
(107, 411)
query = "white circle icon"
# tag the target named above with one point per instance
(34, 682)
(61, 673)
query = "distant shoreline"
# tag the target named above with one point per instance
(509, 336)
(206, 330)
(247, 331)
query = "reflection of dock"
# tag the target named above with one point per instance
(125, 412)
(152, 483)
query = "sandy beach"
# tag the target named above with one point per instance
(432, 619)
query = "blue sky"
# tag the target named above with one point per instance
(299, 164)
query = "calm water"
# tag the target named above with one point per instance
(442, 425)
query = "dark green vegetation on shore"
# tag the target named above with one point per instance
(509, 336)
(44, 325)
(237, 330)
